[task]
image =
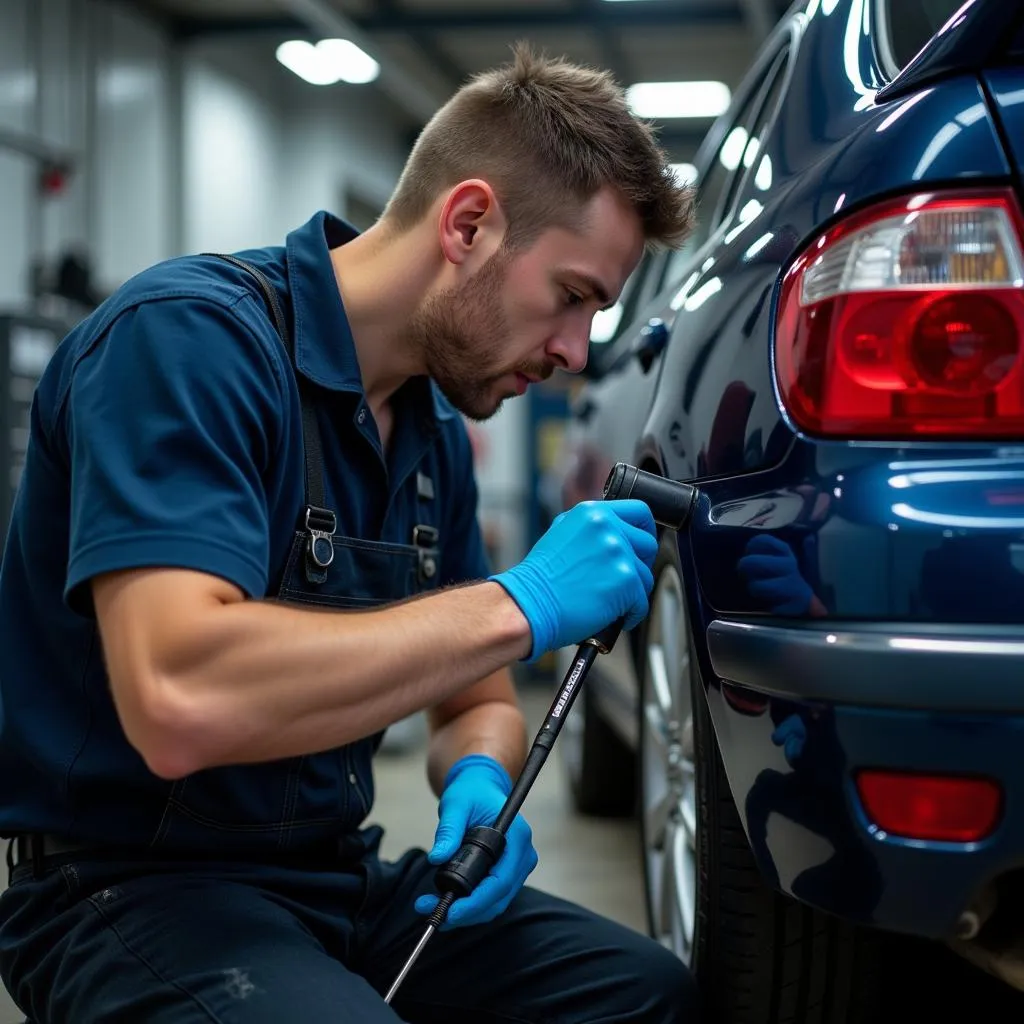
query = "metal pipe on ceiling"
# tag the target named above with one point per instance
(35, 148)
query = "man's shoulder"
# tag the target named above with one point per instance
(179, 293)
(202, 277)
(175, 308)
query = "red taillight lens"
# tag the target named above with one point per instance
(930, 807)
(907, 320)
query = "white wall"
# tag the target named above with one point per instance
(263, 152)
(231, 157)
(64, 111)
(19, 77)
(133, 145)
(333, 144)
(178, 149)
(92, 81)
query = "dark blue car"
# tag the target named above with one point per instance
(824, 711)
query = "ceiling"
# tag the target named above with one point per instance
(427, 47)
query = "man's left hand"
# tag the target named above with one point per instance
(474, 792)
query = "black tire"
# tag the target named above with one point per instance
(599, 766)
(760, 956)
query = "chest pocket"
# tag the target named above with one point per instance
(299, 802)
(332, 570)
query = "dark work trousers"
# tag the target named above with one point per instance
(168, 943)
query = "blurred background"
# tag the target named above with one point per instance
(135, 131)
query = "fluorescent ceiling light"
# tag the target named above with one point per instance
(678, 99)
(329, 62)
(686, 173)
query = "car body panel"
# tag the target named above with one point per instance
(807, 828)
(1006, 87)
(900, 535)
(973, 35)
(878, 533)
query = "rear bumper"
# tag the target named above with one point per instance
(888, 665)
(943, 701)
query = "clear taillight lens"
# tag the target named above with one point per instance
(907, 320)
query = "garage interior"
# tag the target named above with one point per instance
(133, 131)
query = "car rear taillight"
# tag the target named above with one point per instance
(930, 807)
(907, 321)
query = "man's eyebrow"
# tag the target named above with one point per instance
(594, 285)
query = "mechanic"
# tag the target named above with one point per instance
(240, 552)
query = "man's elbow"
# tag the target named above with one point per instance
(166, 727)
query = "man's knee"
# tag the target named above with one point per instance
(672, 994)
(660, 989)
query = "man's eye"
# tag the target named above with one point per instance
(572, 299)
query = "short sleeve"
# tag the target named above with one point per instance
(464, 557)
(171, 422)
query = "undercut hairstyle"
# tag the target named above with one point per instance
(547, 135)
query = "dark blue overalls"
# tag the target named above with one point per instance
(260, 897)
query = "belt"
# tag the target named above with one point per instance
(35, 847)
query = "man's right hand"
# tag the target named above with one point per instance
(591, 568)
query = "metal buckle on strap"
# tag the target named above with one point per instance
(425, 538)
(321, 525)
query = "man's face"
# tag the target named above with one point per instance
(524, 315)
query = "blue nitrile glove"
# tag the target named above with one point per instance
(591, 568)
(474, 793)
(772, 575)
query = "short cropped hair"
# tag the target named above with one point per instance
(547, 135)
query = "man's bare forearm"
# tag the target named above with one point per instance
(495, 728)
(257, 681)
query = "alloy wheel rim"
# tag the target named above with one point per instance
(669, 779)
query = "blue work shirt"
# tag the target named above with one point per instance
(167, 432)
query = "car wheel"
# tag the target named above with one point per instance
(668, 805)
(759, 957)
(599, 766)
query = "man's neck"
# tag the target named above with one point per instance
(381, 283)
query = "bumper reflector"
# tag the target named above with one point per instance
(930, 807)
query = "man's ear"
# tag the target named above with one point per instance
(472, 224)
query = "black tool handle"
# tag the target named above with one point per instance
(548, 733)
(671, 502)
(482, 846)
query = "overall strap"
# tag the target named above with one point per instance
(319, 521)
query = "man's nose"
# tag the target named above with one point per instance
(570, 347)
